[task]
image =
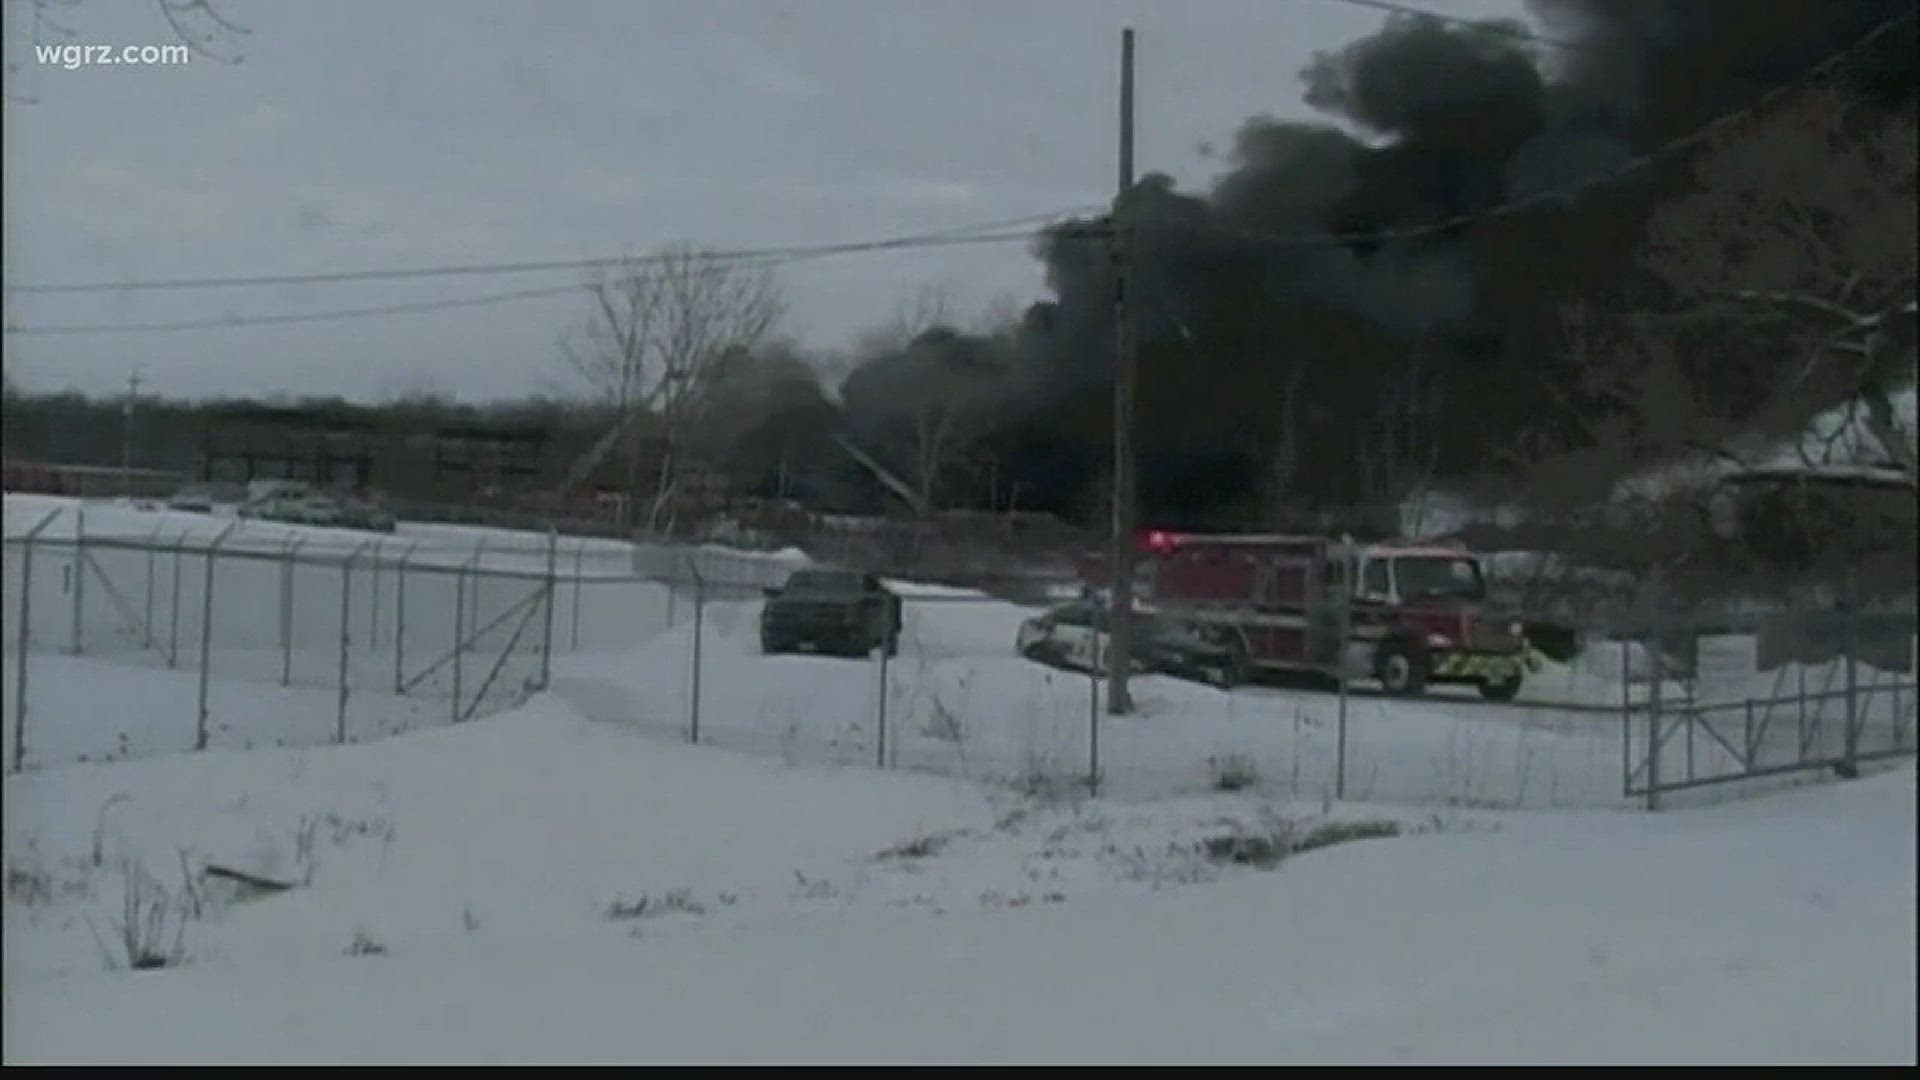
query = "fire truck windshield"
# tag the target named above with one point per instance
(1429, 577)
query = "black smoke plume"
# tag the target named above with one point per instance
(1293, 347)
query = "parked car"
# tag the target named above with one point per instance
(297, 502)
(837, 611)
(262, 490)
(366, 513)
(1075, 636)
(205, 498)
(294, 509)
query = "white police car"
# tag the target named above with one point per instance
(1075, 636)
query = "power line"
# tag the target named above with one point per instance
(225, 322)
(415, 308)
(967, 234)
(236, 321)
(1636, 164)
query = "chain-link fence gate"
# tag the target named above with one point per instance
(1819, 678)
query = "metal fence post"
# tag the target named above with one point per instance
(1656, 664)
(20, 646)
(206, 637)
(1690, 716)
(1624, 639)
(1093, 732)
(1800, 714)
(1854, 721)
(553, 585)
(1747, 741)
(173, 610)
(881, 719)
(673, 595)
(79, 576)
(579, 552)
(346, 643)
(473, 579)
(1348, 567)
(400, 621)
(373, 603)
(699, 633)
(1096, 670)
(459, 632)
(153, 554)
(468, 569)
(286, 610)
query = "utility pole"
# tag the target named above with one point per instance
(126, 434)
(1120, 578)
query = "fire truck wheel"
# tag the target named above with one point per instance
(1401, 669)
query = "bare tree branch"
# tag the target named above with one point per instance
(1802, 225)
(1793, 251)
(181, 15)
(660, 331)
(1283, 459)
(926, 384)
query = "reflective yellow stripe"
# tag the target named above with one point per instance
(1498, 667)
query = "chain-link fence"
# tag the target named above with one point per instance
(956, 698)
(1722, 672)
(236, 634)
(1729, 684)
(228, 635)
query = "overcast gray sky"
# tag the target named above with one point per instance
(396, 133)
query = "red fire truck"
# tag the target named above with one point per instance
(1414, 614)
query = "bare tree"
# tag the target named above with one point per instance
(1283, 455)
(921, 410)
(929, 307)
(1399, 463)
(1801, 228)
(903, 372)
(1630, 401)
(941, 419)
(660, 331)
(1792, 254)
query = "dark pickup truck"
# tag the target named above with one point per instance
(837, 611)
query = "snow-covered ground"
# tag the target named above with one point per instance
(542, 887)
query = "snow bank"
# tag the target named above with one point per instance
(500, 868)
